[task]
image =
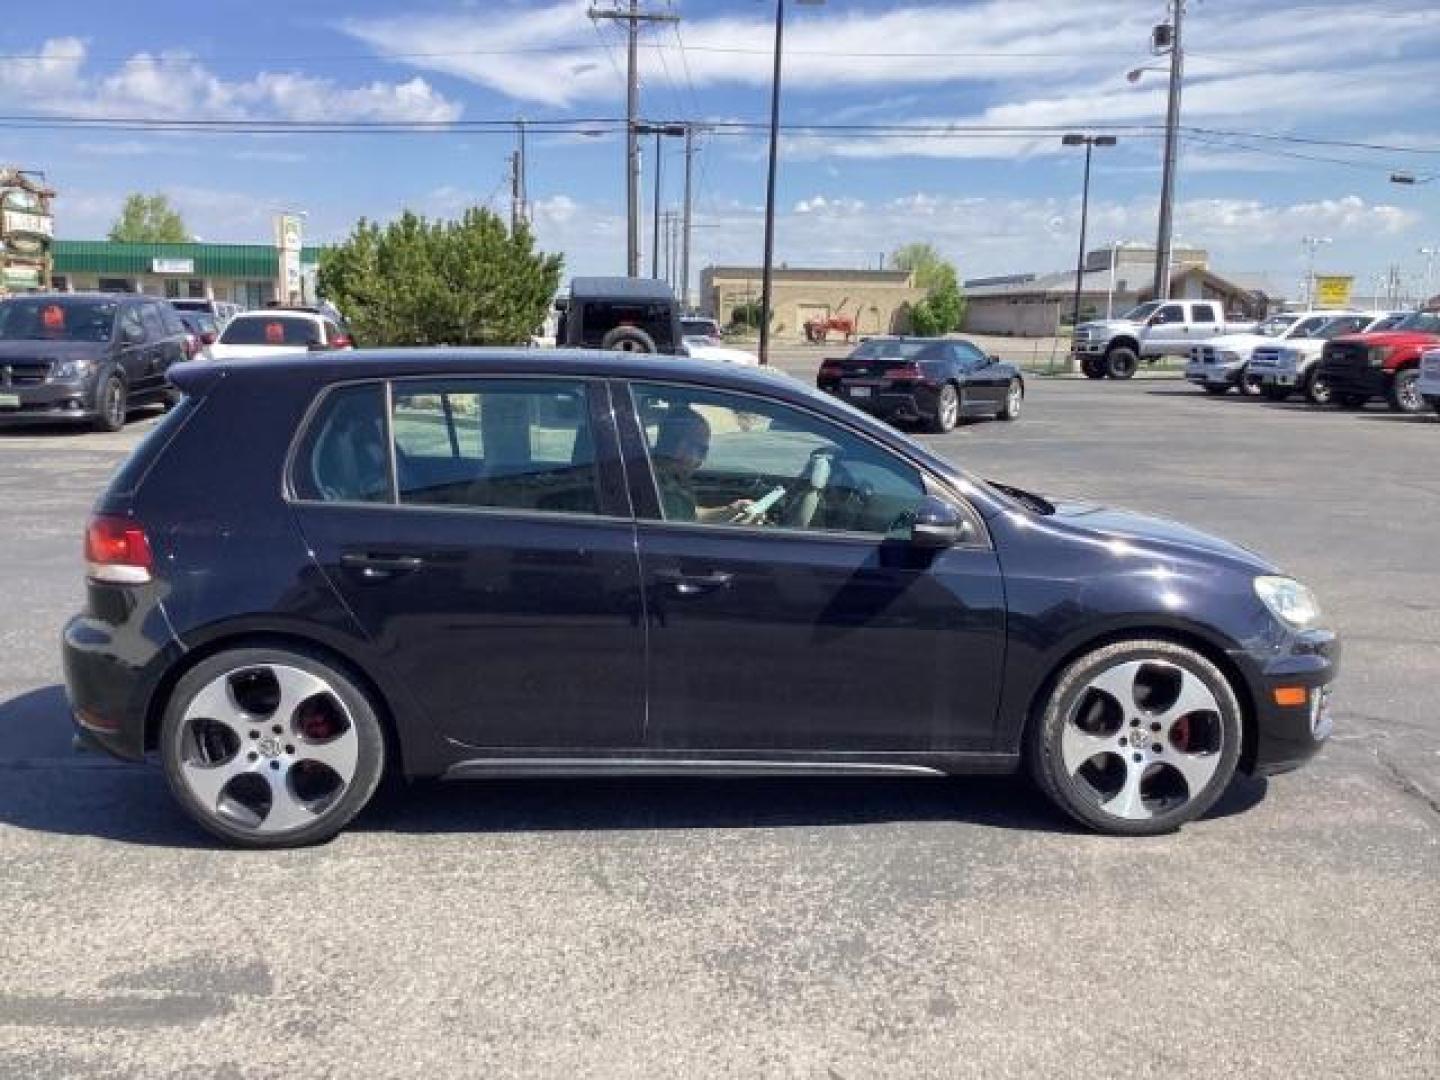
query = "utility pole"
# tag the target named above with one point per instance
(655, 227)
(685, 234)
(1311, 243)
(1168, 34)
(633, 18)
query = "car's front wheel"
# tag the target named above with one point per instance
(1317, 390)
(112, 404)
(1122, 363)
(270, 748)
(1404, 395)
(1137, 738)
(1093, 367)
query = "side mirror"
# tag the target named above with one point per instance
(993, 358)
(934, 524)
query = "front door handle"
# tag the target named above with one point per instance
(375, 566)
(694, 584)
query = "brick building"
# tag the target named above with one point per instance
(879, 299)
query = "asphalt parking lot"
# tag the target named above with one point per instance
(834, 929)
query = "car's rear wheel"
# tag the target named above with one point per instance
(1137, 738)
(947, 409)
(1404, 395)
(1014, 400)
(270, 748)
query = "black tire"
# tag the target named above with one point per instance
(1276, 393)
(1121, 363)
(1014, 400)
(1249, 385)
(170, 397)
(1073, 794)
(947, 410)
(629, 339)
(112, 403)
(1403, 396)
(1317, 390)
(1092, 367)
(363, 720)
(1350, 401)
(1216, 388)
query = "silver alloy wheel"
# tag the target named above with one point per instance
(1013, 399)
(264, 768)
(115, 402)
(1409, 392)
(1150, 746)
(949, 407)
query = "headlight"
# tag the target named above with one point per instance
(1288, 600)
(72, 369)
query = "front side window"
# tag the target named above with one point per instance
(131, 329)
(728, 459)
(343, 456)
(1170, 313)
(496, 443)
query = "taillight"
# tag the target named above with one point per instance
(192, 346)
(341, 341)
(117, 551)
(905, 373)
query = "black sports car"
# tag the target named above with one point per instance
(935, 382)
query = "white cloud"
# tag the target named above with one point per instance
(176, 85)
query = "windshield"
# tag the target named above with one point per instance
(699, 328)
(198, 321)
(272, 330)
(1389, 322)
(50, 320)
(1310, 327)
(1275, 326)
(887, 349)
(1347, 324)
(1141, 313)
(1421, 322)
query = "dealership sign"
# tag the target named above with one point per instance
(1333, 292)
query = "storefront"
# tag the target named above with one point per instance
(244, 274)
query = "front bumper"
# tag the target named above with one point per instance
(1286, 736)
(1214, 374)
(48, 403)
(1353, 379)
(1089, 348)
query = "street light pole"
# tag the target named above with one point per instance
(1161, 290)
(1429, 253)
(1089, 142)
(1311, 243)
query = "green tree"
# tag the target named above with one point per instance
(149, 219)
(422, 282)
(943, 308)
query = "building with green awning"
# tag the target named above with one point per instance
(244, 274)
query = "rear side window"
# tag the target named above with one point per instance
(1202, 313)
(272, 330)
(496, 443)
(343, 456)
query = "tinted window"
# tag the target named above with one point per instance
(130, 324)
(1336, 327)
(1202, 313)
(699, 327)
(342, 457)
(966, 355)
(1170, 313)
(496, 443)
(1424, 322)
(154, 322)
(49, 320)
(173, 323)
(887, 349)
(712, 451)
(272, 330)
(1306, 327)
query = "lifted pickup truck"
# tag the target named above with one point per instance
(1290, 367)
(1115, 347)
(1224, 362)
(1359, 367)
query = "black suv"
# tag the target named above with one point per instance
(625, 314)
(463, 564)
(86, 357)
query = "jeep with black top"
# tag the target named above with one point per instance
(638, 315)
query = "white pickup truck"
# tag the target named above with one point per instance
(1292, 366)
(1223, 362)
(1115, 347)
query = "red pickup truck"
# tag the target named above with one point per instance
(1358, 367)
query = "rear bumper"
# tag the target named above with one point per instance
(111, 676)
(1287, 736)
(917, 401)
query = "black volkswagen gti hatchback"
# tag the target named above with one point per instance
(493, 563)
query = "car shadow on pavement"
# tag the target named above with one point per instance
(48, 786)
(1401, 418)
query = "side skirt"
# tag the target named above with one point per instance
(478, 768)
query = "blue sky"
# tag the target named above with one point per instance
(1001, 203)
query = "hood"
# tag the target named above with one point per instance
(1392, 337)
(40, 349)
(1240, 341)
(1154, 533)
(1112, 325)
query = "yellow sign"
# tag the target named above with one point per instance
(1333, 292)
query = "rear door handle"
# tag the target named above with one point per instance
(694, 584)
(375, 565)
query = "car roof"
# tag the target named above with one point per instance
(71, 297)
(620, 288)
(270, 313)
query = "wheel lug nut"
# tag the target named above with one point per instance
(254, 734)
(1157, 748)
(1134, 721)
(276, 729)
(275, 764)
(289, 749)
(1155, 726)
(1139, 757)
(1124, 741)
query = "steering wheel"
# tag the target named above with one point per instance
(810, 488)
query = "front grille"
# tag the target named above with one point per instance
(1266, 358)
(1345, 354)
(24, 372)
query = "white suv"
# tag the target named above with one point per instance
(1291, 367)
(1429, 384)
